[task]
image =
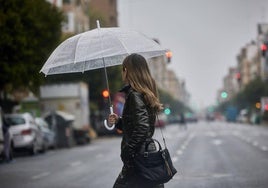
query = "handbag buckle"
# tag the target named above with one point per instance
(146, 154)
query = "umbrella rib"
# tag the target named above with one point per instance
(77, 47)
(120, 42)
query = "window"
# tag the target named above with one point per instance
(15, 121)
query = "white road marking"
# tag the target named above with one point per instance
(211, 134)
(248, 140)
(76, 163)
(100, 155)
(183, 146)
(174, 159)
(38, 176)
(264, 148)
(217, 141)
(91, 148)
(221, 175)
(179, 152)
(255, 143)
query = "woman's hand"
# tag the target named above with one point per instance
(112, 119)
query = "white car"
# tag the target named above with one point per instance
(26, 134)
(48, 135)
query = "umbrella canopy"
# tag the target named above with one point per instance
(97, 48)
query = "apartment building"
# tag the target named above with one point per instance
(250, 64)
(105, 11)
(76, 19)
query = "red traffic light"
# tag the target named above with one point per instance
(238, 76)
(266, 107)
(168, 55)
(263, 47)
(105, 93)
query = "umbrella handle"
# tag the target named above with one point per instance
(105, 121)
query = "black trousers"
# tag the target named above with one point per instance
(128, 179)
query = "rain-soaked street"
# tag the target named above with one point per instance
(206, 155)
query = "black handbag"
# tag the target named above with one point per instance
(155, 166)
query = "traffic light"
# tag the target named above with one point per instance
(169, 56)
(264, 47)
(224, 95)
(105, 93)
(266, 107)
(167, 111)
(258, 105)
(238, 76)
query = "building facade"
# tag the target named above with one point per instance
(251, 63)
(105, 11)
(76, 19)
(167, 80)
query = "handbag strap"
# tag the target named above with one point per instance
(161, 132)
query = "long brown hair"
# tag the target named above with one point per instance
(139, 77)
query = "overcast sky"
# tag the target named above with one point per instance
(205, 36)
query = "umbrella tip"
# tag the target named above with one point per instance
(98, 24)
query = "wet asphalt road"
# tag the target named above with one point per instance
(206, 155)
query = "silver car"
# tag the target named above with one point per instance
(26, 134)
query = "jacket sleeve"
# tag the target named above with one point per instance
(141, 123)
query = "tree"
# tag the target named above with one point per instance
(176, 106)
(247, 97)
(29, 31)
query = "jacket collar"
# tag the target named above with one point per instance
(125, 89)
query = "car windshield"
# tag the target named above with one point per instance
(15, 121)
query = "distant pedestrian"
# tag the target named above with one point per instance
(138, 119)
(183, 121)
(7, 152)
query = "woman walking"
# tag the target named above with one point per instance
(138, 119)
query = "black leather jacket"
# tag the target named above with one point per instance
(137, 123)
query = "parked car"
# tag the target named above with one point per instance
(161, 120)
(243, 116)
(191, 118)
(1, 136)
(48, 135)
(26, 134)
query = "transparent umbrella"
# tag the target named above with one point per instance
(99, 48)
